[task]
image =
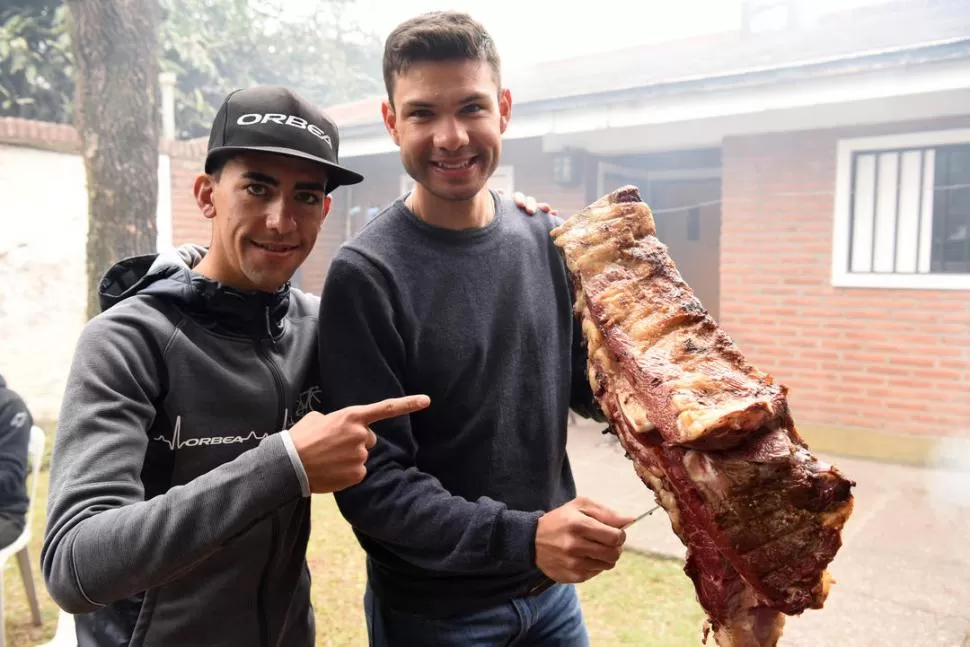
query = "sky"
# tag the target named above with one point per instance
(528, 31)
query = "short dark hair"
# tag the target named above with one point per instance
(218, 163)
(437, 36)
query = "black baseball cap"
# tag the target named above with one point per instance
(274, 119)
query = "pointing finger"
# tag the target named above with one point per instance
(389, 408)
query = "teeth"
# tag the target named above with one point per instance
(454, 167)
(274, 248)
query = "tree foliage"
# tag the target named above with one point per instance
(36, 62)
(213, 46)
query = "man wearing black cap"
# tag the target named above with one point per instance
(187, 446)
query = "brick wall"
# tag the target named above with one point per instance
(188, 225)
(892, 360)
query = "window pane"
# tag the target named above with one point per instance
(926, 213)
(951, 213)
(862, 213)
(885, 227)
(910, 202)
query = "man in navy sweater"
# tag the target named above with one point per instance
(468, 512)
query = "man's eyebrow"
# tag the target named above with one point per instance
(261, 177)
(415, 103)
(269, 179)
(477, 96)
(311, 186)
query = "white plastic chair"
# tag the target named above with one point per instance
(66, 635)
(35, 449)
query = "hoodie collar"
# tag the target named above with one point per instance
(218, 307)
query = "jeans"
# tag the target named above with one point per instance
(552, 618)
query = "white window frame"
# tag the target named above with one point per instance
(503, 178)
(841, 274)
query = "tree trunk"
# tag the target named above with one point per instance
(115, 51)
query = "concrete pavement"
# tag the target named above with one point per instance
(902, 575)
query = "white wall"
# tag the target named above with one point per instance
(43, 220)
(43, 230)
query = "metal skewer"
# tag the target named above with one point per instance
(645, 514)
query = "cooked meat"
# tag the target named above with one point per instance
(711, 435)
(685, 369)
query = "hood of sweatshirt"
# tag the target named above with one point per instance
(170, 276)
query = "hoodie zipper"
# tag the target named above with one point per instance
(280, 423)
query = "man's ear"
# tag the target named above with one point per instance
(327, 203)
(504, 109)
(203, 188)
(390, 120)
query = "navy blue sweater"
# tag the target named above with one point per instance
(480, 320)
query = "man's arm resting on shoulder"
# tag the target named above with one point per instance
(104, 541)
(362, 359)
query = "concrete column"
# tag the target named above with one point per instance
(167, 81)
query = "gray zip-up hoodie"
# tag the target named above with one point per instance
(177, 514)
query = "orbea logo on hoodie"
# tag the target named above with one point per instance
(253, 118)
(305, 403)
(178, 443)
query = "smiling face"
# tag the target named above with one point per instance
(448, 117)
(266, 211)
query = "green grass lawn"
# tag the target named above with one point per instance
(643, 601)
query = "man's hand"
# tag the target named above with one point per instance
(578, 540)
(529, 204)
(334, 447)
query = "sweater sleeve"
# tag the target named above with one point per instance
(362, 359)
(103, 540)
(581, 399)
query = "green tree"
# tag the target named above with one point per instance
(36, 63)
(213, 46)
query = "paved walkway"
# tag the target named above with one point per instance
(902, 575)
